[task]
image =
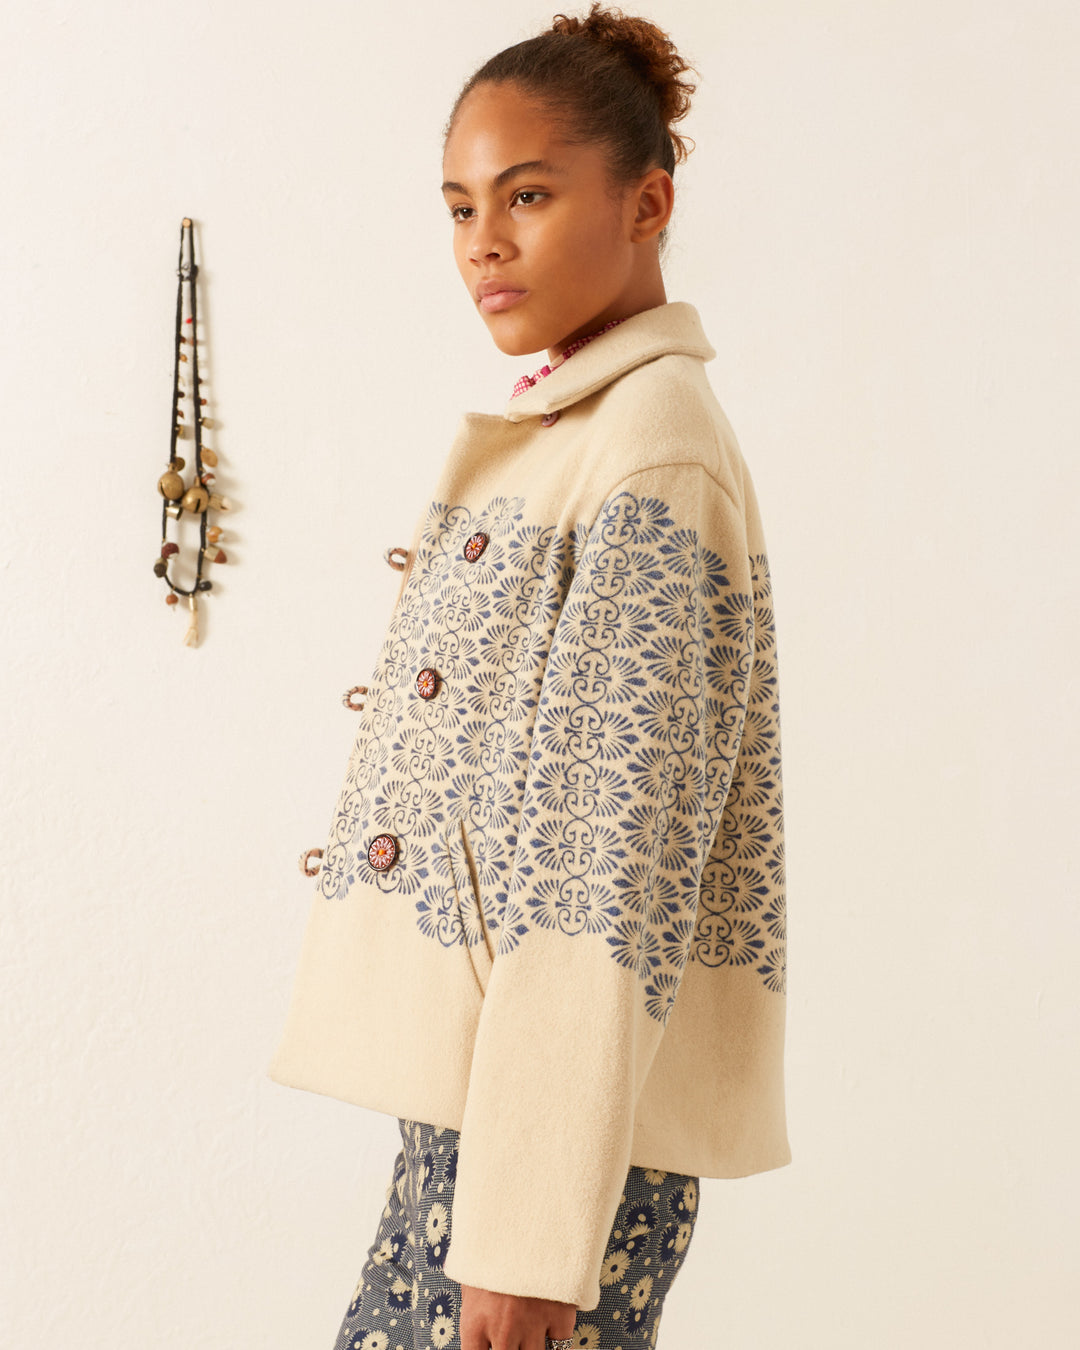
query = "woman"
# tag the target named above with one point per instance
(549, 930)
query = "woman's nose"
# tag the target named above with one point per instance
(487, 241)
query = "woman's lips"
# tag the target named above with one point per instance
(501, 300)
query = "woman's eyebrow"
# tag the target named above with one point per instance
(530, 165)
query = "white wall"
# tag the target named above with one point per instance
(879, 229)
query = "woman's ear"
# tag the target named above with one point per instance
(655, 199)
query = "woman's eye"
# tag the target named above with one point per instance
(531, 193)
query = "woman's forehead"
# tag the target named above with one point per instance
(496, 120)
(481, 149)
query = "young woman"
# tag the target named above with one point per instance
(549, 933)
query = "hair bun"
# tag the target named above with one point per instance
(648, 49)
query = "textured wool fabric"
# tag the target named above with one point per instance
(580, 938)
(527, 381)
(404, 1299)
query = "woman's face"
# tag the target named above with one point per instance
(550, 231)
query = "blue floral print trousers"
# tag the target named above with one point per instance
(403, 1301)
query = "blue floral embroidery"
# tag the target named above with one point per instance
(404, 1299)
(607, 729)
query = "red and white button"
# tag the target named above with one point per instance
(474, 546)
(382, 852)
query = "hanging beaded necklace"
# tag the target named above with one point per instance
(177, 496)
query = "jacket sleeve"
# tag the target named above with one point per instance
(638, 724)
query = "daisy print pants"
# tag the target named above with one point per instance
(403, 1301)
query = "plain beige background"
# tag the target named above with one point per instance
(878, 227)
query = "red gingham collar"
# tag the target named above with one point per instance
(673, 328)
(527, 381)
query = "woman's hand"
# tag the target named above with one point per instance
(507, 1322)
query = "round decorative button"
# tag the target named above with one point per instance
(427, 683)
(382, 851)
(549, 419)
(475, 546)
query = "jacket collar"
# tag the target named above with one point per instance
(671, 327)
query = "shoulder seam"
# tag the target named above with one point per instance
(670, 464)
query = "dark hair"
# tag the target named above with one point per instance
(610, 79)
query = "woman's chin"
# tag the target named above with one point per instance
(515, 339)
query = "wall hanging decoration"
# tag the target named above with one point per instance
(197, 497)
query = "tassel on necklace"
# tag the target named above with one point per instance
(191, 637)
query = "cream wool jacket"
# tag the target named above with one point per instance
(550, 911)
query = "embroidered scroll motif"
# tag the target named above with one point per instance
(607, 731)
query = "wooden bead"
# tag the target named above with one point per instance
(167, 550)
(209, 456)
(219, 503)
(177, 464)
(195, 499)
(160, 567)
(214, 554)
(172, 598)
(170, 485)
(214, 533)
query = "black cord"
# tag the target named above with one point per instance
(188, 273)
